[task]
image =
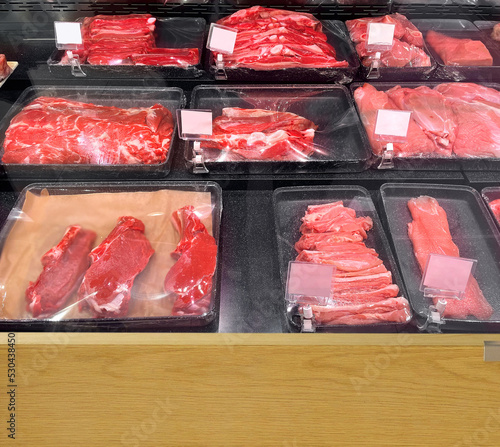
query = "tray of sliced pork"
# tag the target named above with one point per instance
(339, 226)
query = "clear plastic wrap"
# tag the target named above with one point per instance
(491, 196)
(62, 138)
(268, 129)
(368, 311)
(448, 129)
(170, 47)
(286, 46)
(153, 263)
(475, 236)
(461, 50)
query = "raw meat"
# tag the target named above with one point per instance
(168, 56)
(106, 287)
(362, 289)
(272, 39)
(495, 34)
(430, 233)
(258, 134)
(60, 131)
(495, 207)
(470, 92)
(459, 51)
(5, 70)
(191, 276)
(407, 45)
(63, 268)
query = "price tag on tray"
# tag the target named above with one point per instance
(221, 39)
(392, 125)
(309, 283)
(447, 276)
(380, 36)
(68, 35)
(194, 124)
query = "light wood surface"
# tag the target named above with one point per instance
(285, 390)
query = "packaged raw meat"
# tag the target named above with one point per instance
(491, 196)
(448, 220)
(276, 129)
(94, 132)
(286, 45)
(339, 226)
(5, 70)
(145, 257)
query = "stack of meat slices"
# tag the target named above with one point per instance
(362, 291)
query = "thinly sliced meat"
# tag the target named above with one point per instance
(321, 241)
(362, 283)
(495, 207)
(344, 262)
(106, 287)
(63, 268)
(430, 234)
(180, 57)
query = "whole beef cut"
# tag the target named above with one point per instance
(362, 289)
(63, 268)
(60, 131)
(106, 287)
(257, 134)
(191, 276)
(407, 46)
(5, 70)
(454, 51)
(430, 234)
(495, 207)
(272, 39)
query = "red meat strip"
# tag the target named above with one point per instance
(322, 241)
(258, 134)
(369, 100)
(63, 268)
(272, 39)
(495, 207)
(5, 70)
(430, 233)
(179, 57)
(106, 287)
(344, 262)
(495, 34)
(459, 51)
(59, 131)
(191, 276)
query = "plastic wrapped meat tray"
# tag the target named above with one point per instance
(461, 29)
(170, 97)
(337, 143)
(491, 196)
(162, 226)
(290, 205)
(473, 231)
(436, 161)
(173, 32)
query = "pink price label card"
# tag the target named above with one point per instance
(68, 34)
(447, 273)
(310, 280)
(392, 125)
(221, 39)
(380, 36)
(194, 124)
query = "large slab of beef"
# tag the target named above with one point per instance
(106, 287)
(128, 40)
(456, 119)
(430, 234)
(272, 39)
(63, 268)
(257, 134)
(407, 49)
(60, 131)
(362, 291)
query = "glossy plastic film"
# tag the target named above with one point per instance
(170, 98)
(144, 258)
(290, 205)
(472, 230)
(271, 129)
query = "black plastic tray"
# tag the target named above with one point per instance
(473, 231)
(340, 132)
(290, 205)
(170, 97)
(337, 37)
(173, 32)
(128, 324)
(434, 163)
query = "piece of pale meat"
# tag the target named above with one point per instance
(495, 207)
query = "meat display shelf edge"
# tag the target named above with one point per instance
(472, 230)
(170, 97)
(136, 323)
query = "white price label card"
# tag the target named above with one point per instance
(68, 34)
(392, 125)
(447, 274)
(221, 39)
(380, 36)
(194, 124)
(313, 281)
